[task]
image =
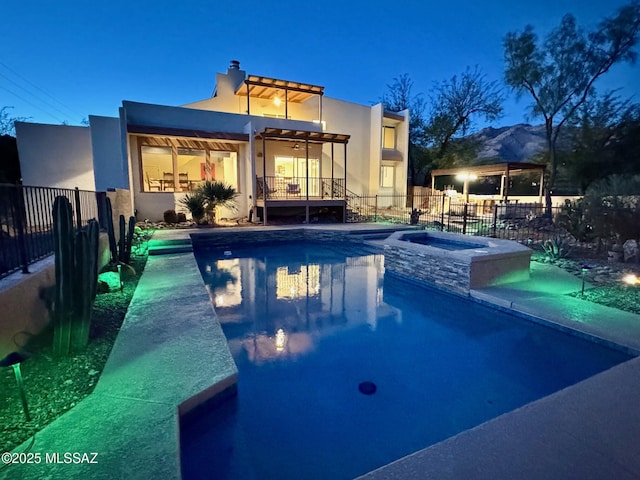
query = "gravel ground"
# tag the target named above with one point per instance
(54, 385)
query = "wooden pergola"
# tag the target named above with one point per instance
(505, 170)
(300, 136)
(269, 88)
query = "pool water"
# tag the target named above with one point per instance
(308, 324)
(442, 243)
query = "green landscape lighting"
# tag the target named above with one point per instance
(585, 269)
(14, 359)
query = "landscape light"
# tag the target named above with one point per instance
(585, 269)
(630, 279)
(14, 359)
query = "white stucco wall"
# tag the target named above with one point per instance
(354, 120)
(55, 155)
(111, 170)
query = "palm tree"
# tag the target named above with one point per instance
(216, 194)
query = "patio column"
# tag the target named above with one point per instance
(332, 165)
(306, 152)
(286, 104)
(344, 212)
(506, 184)
(264, 180)
(174, 165)
(207, 164)
(465, 190)
(540, 190)
(248, 101)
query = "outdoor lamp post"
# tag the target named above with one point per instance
(14, 359)
(585, 270)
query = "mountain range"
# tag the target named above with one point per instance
(517, 143)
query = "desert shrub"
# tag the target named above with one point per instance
(170, 216)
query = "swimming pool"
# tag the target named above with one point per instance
(307, 325)
(426, 239)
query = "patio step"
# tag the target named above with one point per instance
(166, 247)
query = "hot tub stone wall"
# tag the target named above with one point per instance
(494, 262)
(449, 275)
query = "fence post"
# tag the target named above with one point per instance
(375, 212)
(20, 224)
(464, 219)
(495, 219)
(102, 209)
(76, 196)
(442, 215)
(449, 217)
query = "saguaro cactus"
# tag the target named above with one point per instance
(76, 272)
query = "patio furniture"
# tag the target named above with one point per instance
(293, 189)
(260, 190)
(153, 183)
(167, 180)
(183, 179)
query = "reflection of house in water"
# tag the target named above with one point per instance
(269, 309)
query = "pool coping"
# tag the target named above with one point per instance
(162, 415)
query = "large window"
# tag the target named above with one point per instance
(388, 137)
(157, 169)
(193, 166)
(386, 176)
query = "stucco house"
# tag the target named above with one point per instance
(285, 147)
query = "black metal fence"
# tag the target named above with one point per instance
(26, 221)
(522, 222)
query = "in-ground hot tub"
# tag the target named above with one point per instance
(456, 262)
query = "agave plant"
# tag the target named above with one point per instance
(216, 194)
(196, 205)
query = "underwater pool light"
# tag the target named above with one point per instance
(281, 339)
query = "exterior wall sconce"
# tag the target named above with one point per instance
(14, 359)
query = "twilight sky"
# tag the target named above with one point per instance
(63, 60)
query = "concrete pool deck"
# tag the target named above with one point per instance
(589, 430)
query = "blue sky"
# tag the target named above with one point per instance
(63, 60)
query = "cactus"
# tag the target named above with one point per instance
(76, 273)
(111, 234)
(120, 251)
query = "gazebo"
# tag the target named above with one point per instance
(505, 170)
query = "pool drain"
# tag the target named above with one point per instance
(367, 388)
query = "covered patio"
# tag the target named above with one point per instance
(298, 171)
(504, 170)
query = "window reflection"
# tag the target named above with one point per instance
(292, 283)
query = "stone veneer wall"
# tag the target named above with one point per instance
(445, 273)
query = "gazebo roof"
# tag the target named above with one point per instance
(510, 168)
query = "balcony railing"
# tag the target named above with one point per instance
(293, 188)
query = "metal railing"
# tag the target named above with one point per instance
(26, 221)
(522, 222)
(291, 188)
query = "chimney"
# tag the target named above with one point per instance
(235, 65)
